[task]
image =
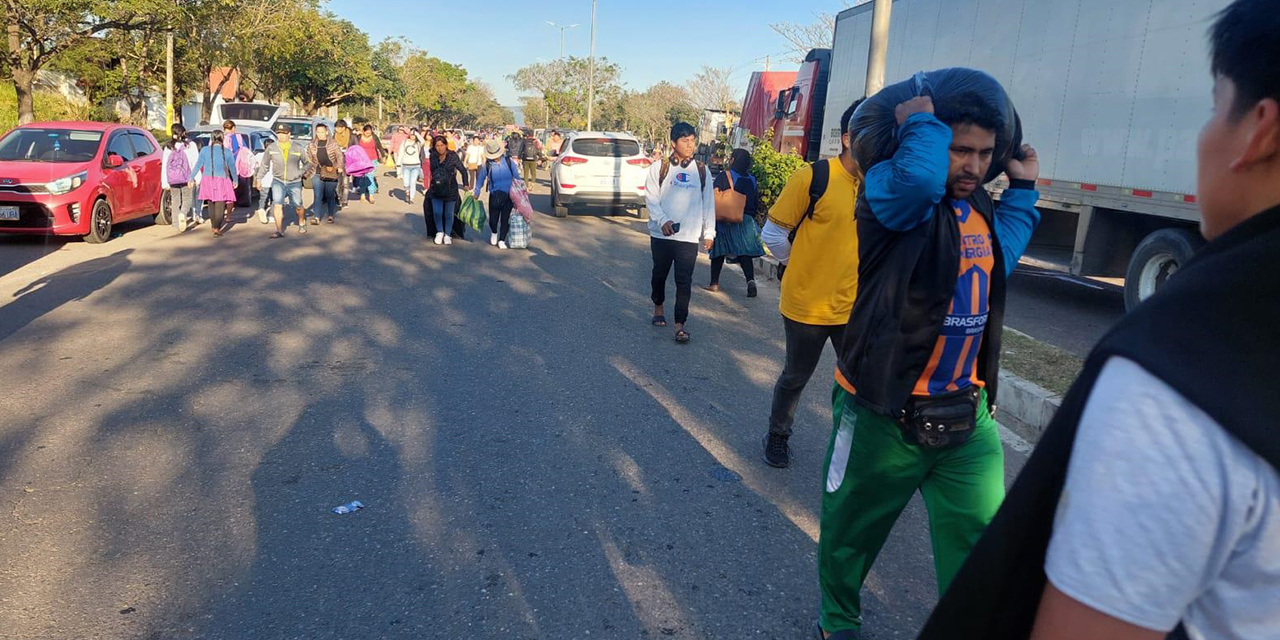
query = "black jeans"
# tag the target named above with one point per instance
(804, 349)
(684, 255)
(500, 213)
(217, 213)
(748, 268)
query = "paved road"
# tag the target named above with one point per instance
(1071, 314)
(180, 413)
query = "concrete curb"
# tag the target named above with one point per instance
(1024, 406)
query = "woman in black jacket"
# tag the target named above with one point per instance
(446, 166)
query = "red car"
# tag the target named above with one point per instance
(77, 178)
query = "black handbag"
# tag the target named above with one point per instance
(942, 421)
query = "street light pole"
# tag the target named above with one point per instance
(591, 69)
(168, 79)
(562, 29)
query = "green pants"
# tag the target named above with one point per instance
(871, 473)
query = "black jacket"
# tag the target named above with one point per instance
(444, 177)
(906, 281)
(1210, 334)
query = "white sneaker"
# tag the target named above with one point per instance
(493, 239)
(439, 238)
(448, 239)
(502, 244)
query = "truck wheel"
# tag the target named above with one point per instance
(99, 223)
(164, 215)
(1156, 259)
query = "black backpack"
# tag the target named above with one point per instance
(817, 187)
(529, 150)
(442, 179)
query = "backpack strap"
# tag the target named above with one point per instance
(702, 174)
(665, 168)
(817, 187)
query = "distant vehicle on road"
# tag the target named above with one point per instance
(77, 178)
(258, 114)
(599, 168)
(303, 127)
(1112, 100)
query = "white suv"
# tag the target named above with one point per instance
(599, 168)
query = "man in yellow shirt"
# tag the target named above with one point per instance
(811, 230)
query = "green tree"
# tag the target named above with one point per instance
(314, 57)
(562, 85)
(38, 30)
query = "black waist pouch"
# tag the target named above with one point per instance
(939, 422)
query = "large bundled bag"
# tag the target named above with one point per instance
(874, 127)
(357, 162)
(471, 211)
(519, 233)
(520, 199)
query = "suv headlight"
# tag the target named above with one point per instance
(67, 184)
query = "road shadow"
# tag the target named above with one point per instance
(55, 290)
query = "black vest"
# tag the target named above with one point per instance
(906, 281)
(1212, 334)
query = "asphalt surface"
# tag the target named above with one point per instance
(182, 412)
(1067, 312)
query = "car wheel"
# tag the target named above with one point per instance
(99, 223)
(1157, 258)
(163, 216)
(560, 210)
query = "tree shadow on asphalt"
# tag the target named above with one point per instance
(51, 292)
(536, 462)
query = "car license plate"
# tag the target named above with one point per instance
(9, 213)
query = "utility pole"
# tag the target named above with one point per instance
(562, 29)
(879, 46)
(168, 78)
(379, 109)
(591, 69)
(766, 63)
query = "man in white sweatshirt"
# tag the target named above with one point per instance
(681, 212)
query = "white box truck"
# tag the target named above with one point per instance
(1112, 93)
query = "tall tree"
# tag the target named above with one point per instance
(710, 88)
(653, 111)
(38, 30)
(315, 58)
(562, 85)
(802, 37)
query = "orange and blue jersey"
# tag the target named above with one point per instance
(951, 365)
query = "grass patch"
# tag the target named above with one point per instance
(1040, 362)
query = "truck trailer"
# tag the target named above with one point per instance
(1111, 94)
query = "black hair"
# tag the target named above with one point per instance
(969, 108)
(228, 124)
(848, 115)
(740, 160)
(323, 126)
(439, 140)
(341, 123)
(1244, 46)
(177, 134)
(681, 130)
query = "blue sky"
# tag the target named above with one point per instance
(652, 40)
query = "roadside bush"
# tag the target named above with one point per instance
(48, 106)
(771, 169)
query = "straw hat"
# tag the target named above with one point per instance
(493, 149)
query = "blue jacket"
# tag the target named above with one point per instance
(217, 162)
(909, 247)
(503, 172)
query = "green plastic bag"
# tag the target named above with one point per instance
(471, 212)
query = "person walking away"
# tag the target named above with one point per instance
(921, 350)
(397, 139)
(446, 166)
(216, 167)
(1150, 508)
(811, 231)
(265, 213)
(325, 162)
(179, 156)
(342, 136)
(474, 158)
(409, 159)
(368, 140)
(739, 241)
(515, 146)
(242, 151)
(287, 162)
(500, 171)
(529, 154)
(681, 211)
